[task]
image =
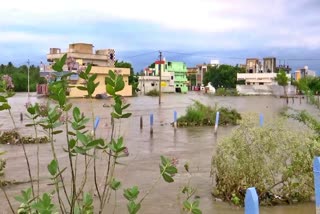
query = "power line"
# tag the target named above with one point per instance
(147, 53)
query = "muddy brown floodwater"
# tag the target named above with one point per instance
(193, 145)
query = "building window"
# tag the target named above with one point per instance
(171, 77)
(152, 84)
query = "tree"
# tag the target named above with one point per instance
(133, 79)
(20, 76)
(282, 80)
(223, 76)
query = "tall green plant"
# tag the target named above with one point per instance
(58, 116)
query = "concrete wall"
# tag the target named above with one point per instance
(276, 90)
(148, 83)
(81, 48)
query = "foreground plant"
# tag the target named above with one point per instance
(57, 117)
(273, 158)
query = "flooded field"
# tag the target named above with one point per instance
(193, 145)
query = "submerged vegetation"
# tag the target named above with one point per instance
(226, 92)
(274, 159)
(153, 93)
(199, 114)
(14, 137)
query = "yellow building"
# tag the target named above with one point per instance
(79, 55)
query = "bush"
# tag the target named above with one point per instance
(198, 114)
(226, 92)
(274, 159)
(153, 93)
(13, 137)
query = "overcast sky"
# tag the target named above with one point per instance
(194, 31)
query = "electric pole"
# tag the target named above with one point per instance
(160, 77)
(28, 62)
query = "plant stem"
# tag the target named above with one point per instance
(115, 201)
(62, 208)
(38, 159)
(73, 178)
(10, 205)
(24, 152)
(94, 155)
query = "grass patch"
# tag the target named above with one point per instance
(153, 93)
(199, 114)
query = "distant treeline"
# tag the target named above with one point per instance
(20, 76)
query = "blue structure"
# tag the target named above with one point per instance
(316, 172)
(251, 203)
(261, 119)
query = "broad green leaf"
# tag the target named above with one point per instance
(109, 81)
(115, 185)
(126, 106)
(93, 77)
(116, 116)
(112, 75)
(68, 107)
(76, 114)
(171, 170)
(3, 99)
(187, 205)
(126, 115)
(53, 167)
(57, 132)
(91, 87)
(83, 138)
(164, 161)
(167, 178)
(119, 84)
(133, 208)
(88, 69)
(118, 109)
(94, 143)
(110, 90)
(72, 143)
(31, 110)
(196, 211)
(82, 88)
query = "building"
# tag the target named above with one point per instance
(262, 74)
(200, 71)
(148, 83)
(253, 65)
(269, 65)
(179, 69)
(303, 72)
(79, 56)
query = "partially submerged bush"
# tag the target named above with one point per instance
(199, 114)
(13, 137)
(153, 93)
(273, 158)
(227, 92)
(2, 165)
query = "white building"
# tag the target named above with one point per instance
(148, 83)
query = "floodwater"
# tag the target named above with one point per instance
(193, 145)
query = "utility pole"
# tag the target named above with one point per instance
(160, 78)
(28, 62)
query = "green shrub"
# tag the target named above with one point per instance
(226, 92)
(153, 93)
(273, 158)
(199, 114)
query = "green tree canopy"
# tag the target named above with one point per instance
(282, 80)
(20, 76)
(222, 76)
